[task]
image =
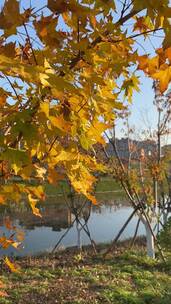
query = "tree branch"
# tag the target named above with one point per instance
(11, 84)
(30, 44)
(99, 39)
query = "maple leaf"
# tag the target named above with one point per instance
(3, 293)
(33, 203)
(11, 266)
(2, 199)
(11, 7)
(20, 235)
(149, 65)
(164, 77)
(44, 107)
(60, 123)
(8, 223)
(96, 131)
(2, 100)
(54, 176)
(5, 243)
(143, 24)
(58, 6)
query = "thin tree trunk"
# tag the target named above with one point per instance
(79, 245)
(149, 239)
(150, 242)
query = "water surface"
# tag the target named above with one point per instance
(41, 234)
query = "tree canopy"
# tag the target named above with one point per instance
(66, 69)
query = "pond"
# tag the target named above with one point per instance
(42, 234)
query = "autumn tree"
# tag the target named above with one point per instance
(143, 169)
(64, 70)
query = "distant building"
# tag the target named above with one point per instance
(166, 149)
(134, 148)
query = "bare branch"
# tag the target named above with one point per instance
(12, 86)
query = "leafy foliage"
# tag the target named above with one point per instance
(165, 235)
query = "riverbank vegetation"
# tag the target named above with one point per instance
(79, 278)
(104, 184)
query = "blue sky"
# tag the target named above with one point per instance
(142, 110)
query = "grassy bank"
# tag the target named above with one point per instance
(68, 277)
(105, 184)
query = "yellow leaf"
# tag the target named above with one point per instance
(16, 168)
(85, 141)
(164, 77)
(44, 79)
(60, 123)
(96, 130)
(33, 203)
(48, 67)
(15, 244)
(36, 191)
(65, 156)
(40, 172)
(44, 107)
(82, 180)
(11, 266)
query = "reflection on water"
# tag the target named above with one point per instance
(41, 234)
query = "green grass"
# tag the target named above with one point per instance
(52, 190)
(125, 278)
(107, 184)
(104, 184)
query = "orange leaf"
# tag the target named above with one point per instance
(20, 235)
(2, 100)
(92, 198)
(2, 199)
(43, 32)
(8, 223)
(11, 266)
(168, 53)
(164, 76)
(5, 243)
(148, 65)
(3, 294)
(53, 176)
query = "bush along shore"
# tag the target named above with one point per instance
(125, 276)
